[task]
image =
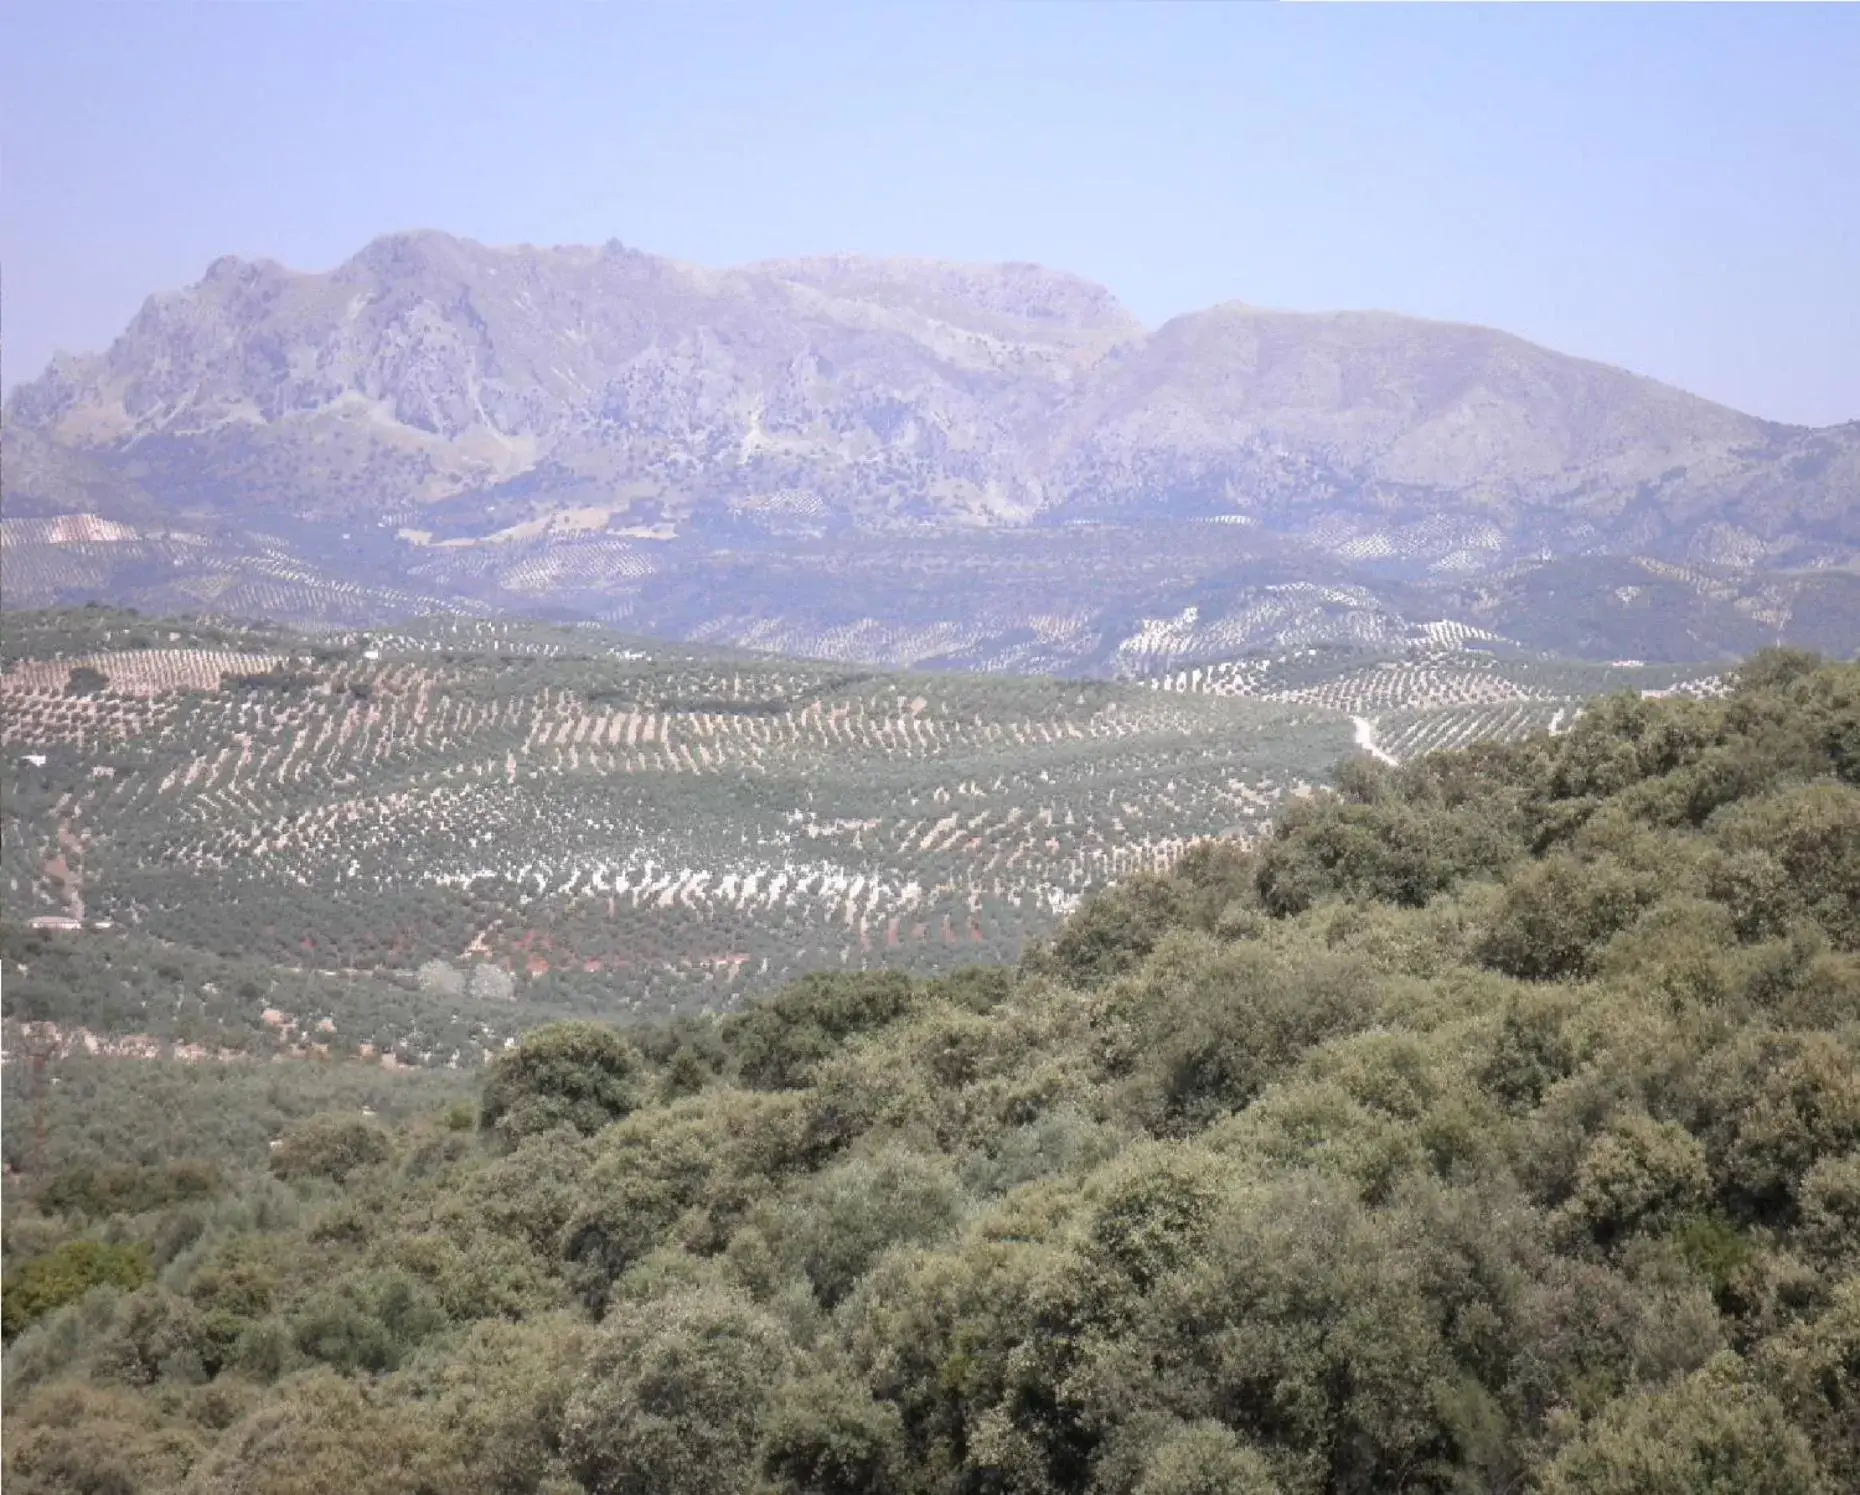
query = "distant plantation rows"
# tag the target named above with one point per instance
(614, 826)
(45, 561)
(1435, 698)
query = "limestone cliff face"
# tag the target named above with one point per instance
(429, 368)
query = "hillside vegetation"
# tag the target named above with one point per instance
(1493, 1127)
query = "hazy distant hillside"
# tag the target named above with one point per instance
(440, 425)
(1487, 441)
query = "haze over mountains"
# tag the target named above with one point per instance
(905, 462)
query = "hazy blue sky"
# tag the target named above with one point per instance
(1673, 189)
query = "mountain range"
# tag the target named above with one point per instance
(903, 462)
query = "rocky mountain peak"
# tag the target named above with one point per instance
(433, 386)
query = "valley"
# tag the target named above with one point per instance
(1128, 765)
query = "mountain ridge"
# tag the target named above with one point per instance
(617, 416)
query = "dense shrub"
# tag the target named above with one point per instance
(321, 1432)
(1385, 851)
(1205, 1458)
(846, 1215)
(1639, 1173)
(129, 1188)
(1206, 1025)
(1713, 1434)
(37, 1286)
(1556, 915)
(1116, 929)
(825, 1435)
(672, 1399)
(775, 1042)
(579, 1075)
(331, 1147)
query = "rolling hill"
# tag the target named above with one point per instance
(404, 832)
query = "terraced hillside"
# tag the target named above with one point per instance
(1084, 597)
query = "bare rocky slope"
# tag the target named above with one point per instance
(743, 454)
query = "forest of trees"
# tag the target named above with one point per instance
(1493, 1127)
